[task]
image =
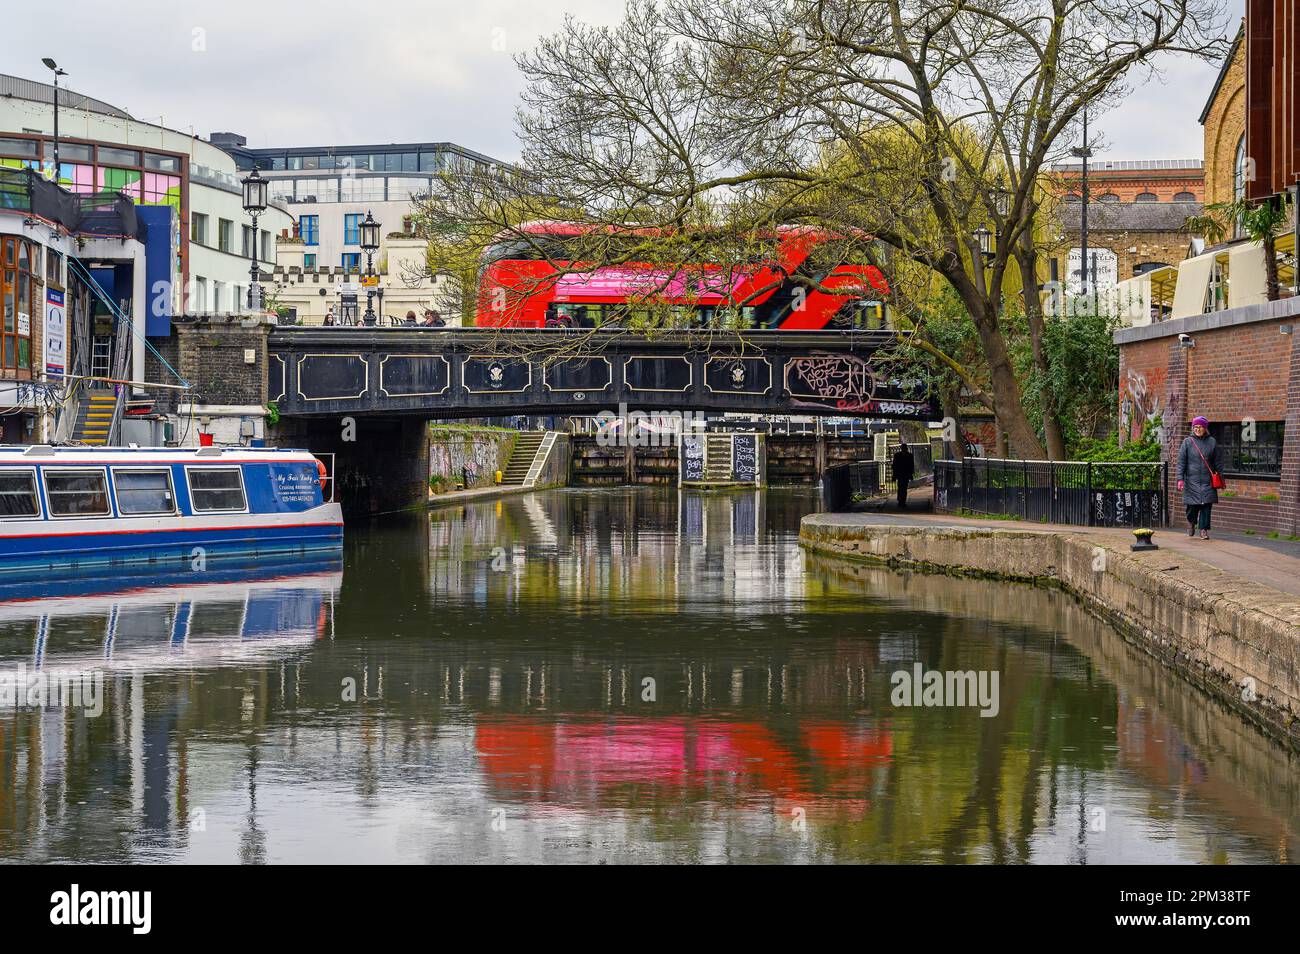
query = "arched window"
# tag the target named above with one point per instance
(1239, 171)
(1073, 197)
(1184, 197)
(1146, 197)
(1108, 197)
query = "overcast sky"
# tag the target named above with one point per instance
(326, 72)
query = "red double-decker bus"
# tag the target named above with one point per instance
(535, 277)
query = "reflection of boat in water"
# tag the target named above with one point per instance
(178, 619)
(593, 761)
(78, 508)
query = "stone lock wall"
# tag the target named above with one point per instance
(1222, 632)
(481, 453)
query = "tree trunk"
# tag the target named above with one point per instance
(1271, 283)
(1006, 392)
(1052, 430)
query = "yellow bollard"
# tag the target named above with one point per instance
(498, 476)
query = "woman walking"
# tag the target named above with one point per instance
(1198, 477)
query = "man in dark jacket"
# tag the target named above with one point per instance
(904, 466)
(1198, 468)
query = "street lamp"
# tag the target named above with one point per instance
(1002, 201)
(255, 188)
(50, 64)
(370, 244)
(984, 239)
(1084, 152)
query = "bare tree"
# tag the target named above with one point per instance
(897, 128)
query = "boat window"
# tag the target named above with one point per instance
(18, 494)
(216, 488)
(76, 493)
(143, 491)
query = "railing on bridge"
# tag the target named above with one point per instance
(1081, 493)
(449, 372)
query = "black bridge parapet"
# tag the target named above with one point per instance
(478, 372)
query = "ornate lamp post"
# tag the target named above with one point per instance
(984, 239)
(255, 188)
(370, 245)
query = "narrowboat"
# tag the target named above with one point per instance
(81, 508)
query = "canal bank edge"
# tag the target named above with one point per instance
(1213, 627)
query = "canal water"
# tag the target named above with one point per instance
(607, 676)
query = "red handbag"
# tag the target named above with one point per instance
(1215, 480)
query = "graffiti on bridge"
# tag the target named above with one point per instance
(847, 382)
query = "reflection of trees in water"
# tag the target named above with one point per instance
(499, 693)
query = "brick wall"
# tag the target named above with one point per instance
(211, 357)
(1248, 370)
(1225, 124)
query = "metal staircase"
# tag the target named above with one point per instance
(92, 411)
(96, 415)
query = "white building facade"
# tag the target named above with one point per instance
(103, 149)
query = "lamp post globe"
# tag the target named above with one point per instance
(370, 245)
(255, 192)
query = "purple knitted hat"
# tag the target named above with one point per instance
(1201, 421)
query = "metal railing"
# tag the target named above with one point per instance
(863, 479)
(1081, 493)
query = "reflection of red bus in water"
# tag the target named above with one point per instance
(530, 279)
(582, 763)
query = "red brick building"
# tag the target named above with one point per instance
(1240, 366)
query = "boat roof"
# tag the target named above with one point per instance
(11, 453)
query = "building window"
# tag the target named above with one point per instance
(18, 147)
(162, 163)
(309, 229)
(1108, 197)
(1146, 197)
(119, 157)
(69, 152)
(309, 261)
(18, 293)
(352, 229)
(1239, 171)
(266, 245)
(199, 228)
(1260, 459)
(54, 267)
(352, 261)
(246, 240)
(76, 493)
(1184, 197)
(225, 228)
(198, 303)
(216, 488)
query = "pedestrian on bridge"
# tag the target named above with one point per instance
(904, 466)
(1199, 477)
